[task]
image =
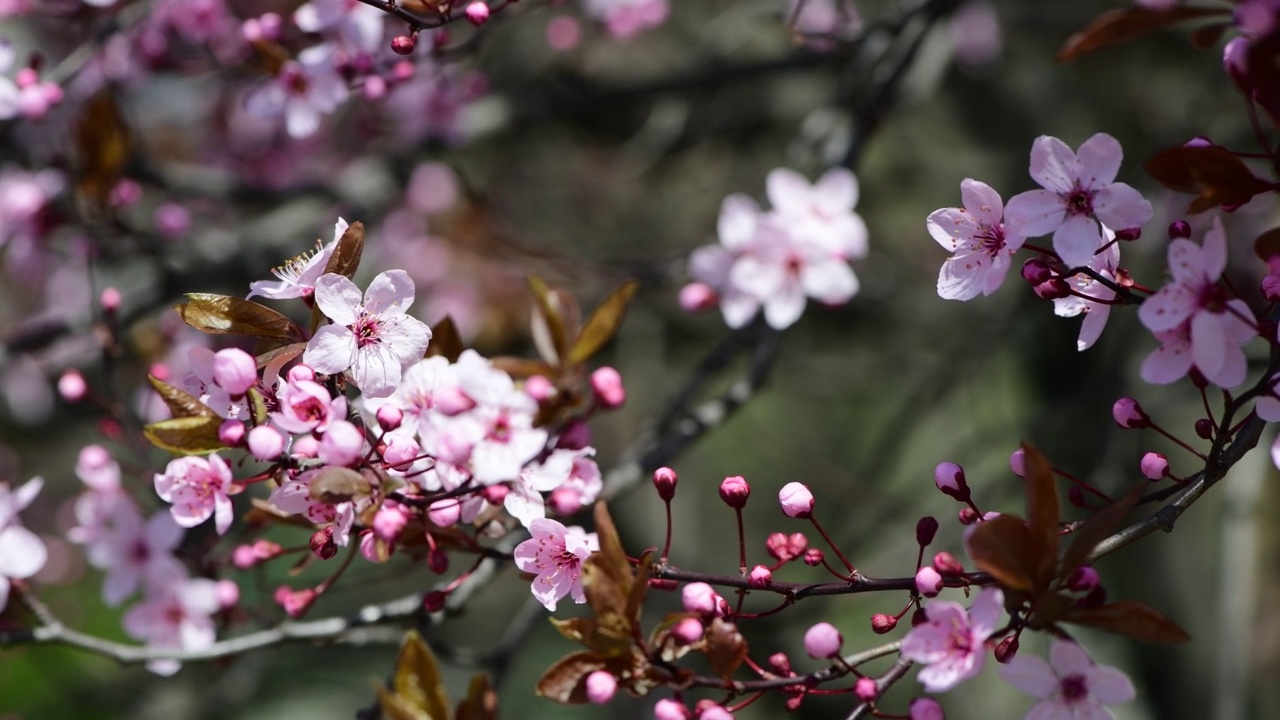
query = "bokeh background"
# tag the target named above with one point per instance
(608, 161)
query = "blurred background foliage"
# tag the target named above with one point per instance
(609, 162)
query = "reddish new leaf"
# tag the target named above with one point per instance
(186, 435)
(103, 143)
(335, 484)
(345, 259)
(481, 702)
(603, 324)
(1043, 514)
(417, 690)
(1211, 173)
(445, 340)
(226, 315)
(1085, 539)
(725, 646)
(521, 368)
(549, 331)
(181, 403)
(565, 682)
(1131, 619)
(1117, 26)
(999, 546)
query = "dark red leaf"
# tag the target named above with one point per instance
(1117, 26)
(1211, 173)
(1131, 619)
(1000, 547)
(726, 648)
(1085, 539)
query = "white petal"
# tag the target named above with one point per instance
(338, 298)
(1208, 342)
(982, 200)
(22, 553)
(952, 228)
(1053, 165)
(831, 282)
(784, 307)
(1076, 240)
(1030, 674)
(788, 190)
(391, 293)
(331, 350)
(837, 190)
(1099, 161)
(1121, 207)
(736, 225)
(1034, 213)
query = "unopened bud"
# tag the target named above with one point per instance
(1018, 462)
(434, 601)
(822, 641)
(946, 563)
(949, 477)
(606, 383)
(403, 44)
(322, 545)
(71, 386)
(1129, 415)
(734, 491)
(778, 547)
(967, 516)
(1084, 579)
(1179, 229)
(813, 557)
(1037, 270)
(664, 481)
(796, 500)
(389, 417)
(696, 297)
(881, 623)
(1053, 289)
(231, 433)
(918, 617)
(1075, 496)
(1129, 234)
(110, 300)
(575, 436)
(438, 561)
(866, 689)
(760, 576)
(928, 581)
(926, 528)
(688, 631)
(477, 13)
(495, 494)
(1007, 648)
(1154, 466)
(1204, 428)
(780, 663)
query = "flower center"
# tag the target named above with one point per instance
(366, 330)
(1074, 689)
(1079, 201)
(990, 238)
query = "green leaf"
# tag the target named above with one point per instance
(226, 315)
(603, 324)
(186, 435)
(181, 403)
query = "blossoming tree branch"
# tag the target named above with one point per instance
(325, 420)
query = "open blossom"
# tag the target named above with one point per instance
(982, 248)
(355, 23)
(304, 91)
(555, 555)
(1079, 192)
(294, 497)
(199, 489)
(1070, 685)
(175, 616)
(1096, 314)
(306, 406)
(140, 555)
(951, 644)
(571, 469)
(372, 337)
(22, 553)
(298, 276)
(1194, 318)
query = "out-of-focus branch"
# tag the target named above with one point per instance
(895, 673)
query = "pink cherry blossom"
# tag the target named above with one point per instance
(198, 487)
(563, 468)
(141, 555)
(555, 555)
(1070, 685)
(306, 406)
(294, 497)
(951, 643)
(820, 213)
(22, 552)
(304, 91)
(1195, 319)
(201, 383)
(175, 616)
(1079, 191)
(1096, 314)
(982, 249)
(355, 23)
(372, 337)
(297, 277)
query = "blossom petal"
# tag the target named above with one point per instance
(406, 336)
(710, 264)
(952, 228)
(391, 293)
(1091, 328)
(23, 496)
(1120, 206)
(738, 308)
(985, 613)
(758, 278)
(1208, 342)
(1169, 362)
(376, 370)
(1076, 240)
(1050, 710)
(788, 190)
(1168, 308)
(1053, 165)
(962, 277)
(1213, 255)
(785, 306)
(1098, 160)
(837, 190)
(736, 226)
(831, 282)
(338, 298)
(22, 553)
(1110, 686)
(982, 201)
(1034, 213)
(1030, 674)
(331, 350)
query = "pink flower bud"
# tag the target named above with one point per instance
(1129, 234)
(780, 663)
(946, 564)
(1018, 462)
(664, 481)
(265, 442)
(688, 631)
(928, 581)
(71, 386)
(445, 513)
(949, 477)
(495, 494)
(1053, 289)
(866, 689)
(822, 641)
(438, 561)
(304, 447)
(228, 594)
(575, 436)
(539, 388)
(295, 602)
(403, 44)
(565, 500)
(600, 687)
(322, 545)
(1235, 61)
(235, 371)
(696, 297)
(388, 522)
(266, 550)
(1204, 428)
(342, 444)
(452, 401)
(966, 516)
(389, 417)
(171, 220)
(797, 543)
(918, 617)
(231, 433)
(477, 13)
(563, 33)
(110, 300)
(760, 576)
(434, 601)
(881, 623)
(796, 500)
(1006, 649)
(374, 87)
(734, 491)
(400, 451)
(926, 528)
(813, 557)
(403, 70)
(1075, 496)
(243, 557)
(923, 708)
(125, 193)
(1037, 270)
(373, 548)
(606, 383)
(667, 709)
(1154, 466)
(1179, 229)
(778, 547)
(1083, 579)
(300, 373)
(1128, 414)
(713, 712)
(699, 597)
